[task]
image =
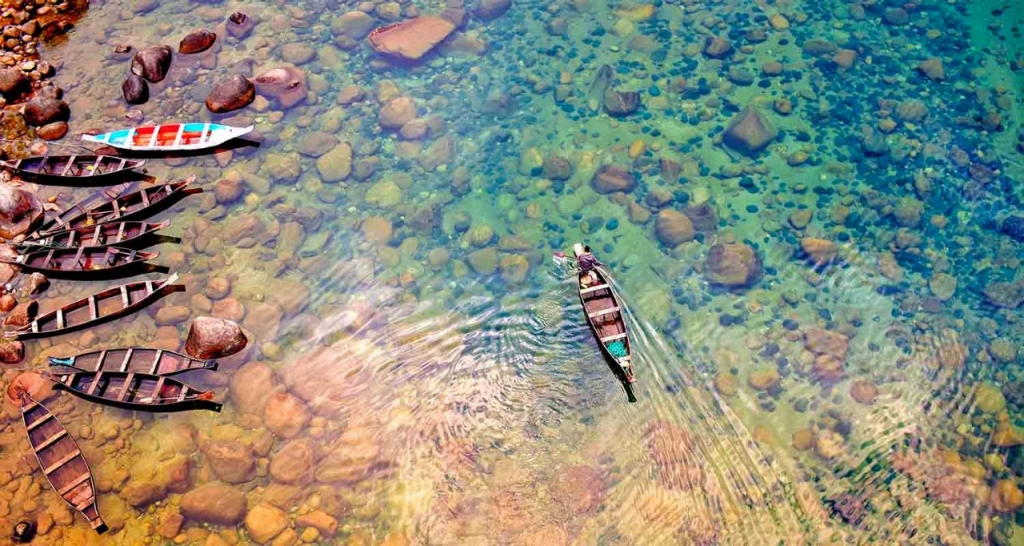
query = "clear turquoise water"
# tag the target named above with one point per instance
(442, 403)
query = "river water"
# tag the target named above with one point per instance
(420, 371)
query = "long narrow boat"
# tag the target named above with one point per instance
(123, 234)
(61, 460)
(172, 137)
(135, 391)
(130, 206)
(135, 360)
(72, 170)
(82, 262)
(604, 314)
(99, 308)
(60, 222)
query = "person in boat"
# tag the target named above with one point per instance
(587, 263)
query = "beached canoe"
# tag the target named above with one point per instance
(134, 391)
(72, 170)
(61, 460)
(82, 262)
(173, 137)
(604, 315)
(134, 359)
(99, 308)
(123, 234)
(135, 205)
(60, 222)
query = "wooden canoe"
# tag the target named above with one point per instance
(82, 262)
(72, 170)
(135, 360)
(61, 460)
(135, 391)
(606, 321)
(60, 222)
(99, 308)
(129, 206)
(123, 234)
(171, 137)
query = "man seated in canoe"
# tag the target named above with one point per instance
(586, 262)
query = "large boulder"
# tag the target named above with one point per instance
(749, 132)
(673, 228)
(214, 502)
(285, 84)
(230, 461)
(135, 90)
(733, 265)
(348, 28)
(43, 110)
(13, 82)
(197, 41)
(412, 39)
(20, 211)
(613, 178)
(152, 63)
(214, 338)
(12, 352)
(231, 94)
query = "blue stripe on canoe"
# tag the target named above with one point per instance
(194, 127)
(118, 137)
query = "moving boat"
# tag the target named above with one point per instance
(135, 391)
(61, 221)
(72, 170)
(172, 137)
(604, 314)
(61, 460)
(134, 359)
(99, 308)
(82, 262)
(121, 234)
(129, 206)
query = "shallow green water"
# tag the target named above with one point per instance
(436, 382)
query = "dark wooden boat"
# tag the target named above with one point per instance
(72, 170)
(135, 391)
(60, 222)
(61, 460)
(82, 262)
(109, 234)
(134, 359)
(605, 318)
(105, 306)
(129, 206)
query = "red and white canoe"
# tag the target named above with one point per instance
(177, 136)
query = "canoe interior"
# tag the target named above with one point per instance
(105, 234)
(75, 166)
(136, 360)
(95, 199)
(84, 259)
(61, 461)
(108, 302)
(127, 388)
(187, 135)
(605, 315)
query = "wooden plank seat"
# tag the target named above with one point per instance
(51, 440)
(82, 478)
(593, 289)
(613, 338)
(63, 461)
(603, 312)
(39, 422)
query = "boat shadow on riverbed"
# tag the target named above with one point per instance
(242, 146)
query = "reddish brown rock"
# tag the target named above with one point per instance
(43, 110)
(397, 112)
(230, 461)
(716, 47)
(152, 63)
(172, 315)
(821, 341)
(612, 178)
(20, 211)
(217, 288)
(197, 41)
(7, 302)
(22, 314)
(293, 463)
(323, 522)
(228, 309)
(820, 252)
(231, 94)
(864, 392)
(240, 25)
(263, 320)
(228, 190)
(285, 415)
(251, 387)
(140, 494)
(12, 352)
(411, 39)
(749, 132)
(673, 228)
(53, 131)
(214, 502)
(211, 337)
(733, 265)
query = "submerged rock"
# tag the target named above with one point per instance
(264, 522)
(215, 503)
(231, 94)
(749, 132)
(240, 25)
(135, 90)
(197, 41)
(613, 178)
(211, 337)
(348, 28)
(230, 461)
(285, 84)
(285, 415)
(673, 228)
(733, 265)
(12, 352)
(488, 10)
(621, 103)
(152, 63)
(412, 39)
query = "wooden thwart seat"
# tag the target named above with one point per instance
(603, 312)
(63, 461)
(613, 338)
(593, 289)
(82, 478)
(51, 440)
(39, 422)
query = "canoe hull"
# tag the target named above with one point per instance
(134, 359)
(92, 263)
(171, 137)
(72, 170)
(123, 234)
(135, 391)
(173, 407)
(604, 316)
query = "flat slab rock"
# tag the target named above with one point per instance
(411, 39)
